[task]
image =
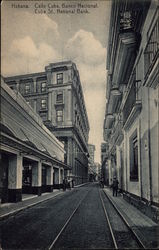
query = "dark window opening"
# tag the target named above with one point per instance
(134, 158)
(59, 97)
(60, 78)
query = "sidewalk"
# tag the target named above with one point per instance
(28, 200)
(144, 227)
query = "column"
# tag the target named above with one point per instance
(50, 106)
(36, 178)
(49, 178)
(18, 82)
(59, 175)
(69, 107)
(34, 86)
(56, 178)
(118, 165)
(125, 186)
(49, 74)
(15, 178)
(62, 175)
(110, 172)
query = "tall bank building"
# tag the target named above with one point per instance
(56, 95)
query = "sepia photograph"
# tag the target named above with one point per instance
(79, 127)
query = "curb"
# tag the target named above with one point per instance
(14, 212)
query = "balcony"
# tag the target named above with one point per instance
(151, 59)
(108, 121)
(125, 57)
(118, 134)
(114, 98)
(133, 105)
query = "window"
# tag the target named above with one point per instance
(27, 88)
(60, 78)
(59, 115)
(134, 158)
(43, 103)
(59, 97)
(43, 87)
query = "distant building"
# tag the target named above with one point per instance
(91, 150)
(97, 170)
(31, 157)
(131, 120)
(56, 95)
(91, 168)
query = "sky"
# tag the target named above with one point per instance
(30, 40)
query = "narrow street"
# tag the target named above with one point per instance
(79, 125)
(76, 219)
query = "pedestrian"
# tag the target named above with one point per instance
(69, 184)
(115, 186)
(64, 185)
(72, 183)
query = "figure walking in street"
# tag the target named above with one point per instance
(69, 184)
(72, 183)
(64, 185)
(115, 186)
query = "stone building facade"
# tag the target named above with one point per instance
(31, 157)
(56, 95)
(131, 116)
(105, 173)
(92, 166)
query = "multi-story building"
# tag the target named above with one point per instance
(56, 95)
(91, 150)
(105, 176)
(97, 171)
(31, 157)
(131, 117)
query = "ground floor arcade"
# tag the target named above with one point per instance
(26, 174)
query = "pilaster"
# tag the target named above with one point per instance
(15, 178)
(49, 178)
(36, 178)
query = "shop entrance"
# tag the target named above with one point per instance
(27, 177)
(43, 179)
(4, 165)
(56, 178)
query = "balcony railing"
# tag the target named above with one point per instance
(133, 99)
(151, 52)
(118, 130)
(116, 134)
